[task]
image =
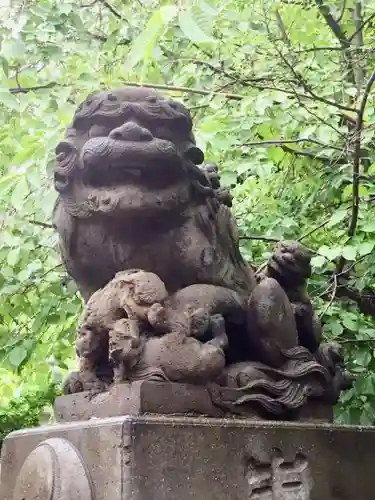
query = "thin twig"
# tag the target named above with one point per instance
(339, 19)
(112, 9)
(318, 49)
(346, 271)
(172, 88)
(308, 154)
(325, 122)
(355, 341)
(91, 4)
(212, 67)
(39, 223)
(32, 283)
(366, 21)
(332, 296)
(311, 231)
(260, 238)
(25, 90)
(290, 141)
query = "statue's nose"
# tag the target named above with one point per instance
(131, 131)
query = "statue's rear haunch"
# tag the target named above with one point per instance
(149, 239)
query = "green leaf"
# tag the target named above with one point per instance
(337, 217)
(13, 256)
(13, 49)
(336, 328)
(318, 261)
(349, 252)
(366, 418)
(4, 64)
(363, 357)
(366, 248)
(369, 228)
(19, 192)
(8, 100)
(190, 28)
(349, 323)
(347, 396)
(17, 355)
(330, 253)
(347, 192)
(144, 44)
(228, 177)
(368, 385)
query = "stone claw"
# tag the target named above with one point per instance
(156, 316)
(200, 322)
(220, 338)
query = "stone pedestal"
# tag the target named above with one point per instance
(185, 458)
(166, 398)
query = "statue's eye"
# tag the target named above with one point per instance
(98, 131)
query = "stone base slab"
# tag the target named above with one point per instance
(137, 398)
(165, 398)
(185, 458)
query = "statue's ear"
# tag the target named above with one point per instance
(191, 152)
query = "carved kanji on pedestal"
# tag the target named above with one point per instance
(279, 479)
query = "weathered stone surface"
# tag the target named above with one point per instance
(53, 469)
(135, 399)
(146, 232)
(100, 444)
(271, 318)
(165, 458)
(165, 398)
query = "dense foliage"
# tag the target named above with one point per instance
(280, 91)
(26, 410)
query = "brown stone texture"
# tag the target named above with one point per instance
(170, 458)
(165, 398)
(146, 232)
(135, 399)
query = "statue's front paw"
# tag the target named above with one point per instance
(199, 322)
(157, 316)
(73, 383)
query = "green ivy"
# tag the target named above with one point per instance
(25, 410)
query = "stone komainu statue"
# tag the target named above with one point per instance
(148, 236)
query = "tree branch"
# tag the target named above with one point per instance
(25, 90)
(325, 122)
(311, 231)
(332, 23)
(333, 295)
(307, 154)
(360, 28)
(317, 49)
(39, 223)
(281, 26)
(260, 238)
(86, 5)
(278, 142)
(339, 19)
(111, 9)
(340, 35)
(357, 155)
(188, 90)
